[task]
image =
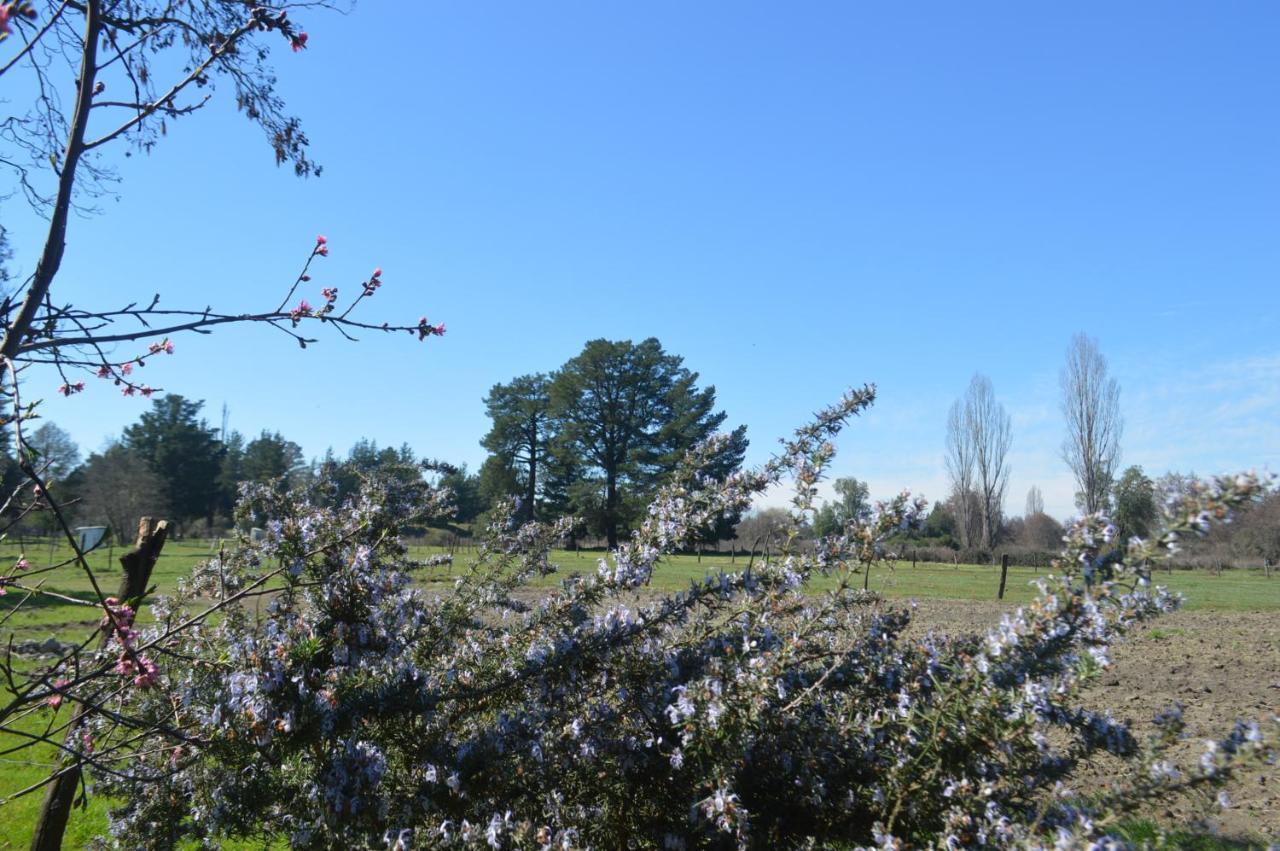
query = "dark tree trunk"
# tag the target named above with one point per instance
(530, 511)
(611, 510)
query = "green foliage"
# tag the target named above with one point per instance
(519, 438)
(1135, 510)
(624, 415)
(270, 457)
(364, 460)
(852, 504)
(183, 451)
(465, 488)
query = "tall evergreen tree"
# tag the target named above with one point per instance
(184, 452)
(625, 413)
(269, 456)
(520, 411)
(1135, 511)
(230, 471)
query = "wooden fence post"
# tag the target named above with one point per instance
(1004, 573)
(60, 794)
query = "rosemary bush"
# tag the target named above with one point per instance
(304, 687)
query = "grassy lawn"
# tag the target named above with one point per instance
(1234, 590)
(42, 617)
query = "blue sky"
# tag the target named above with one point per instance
(797, 198)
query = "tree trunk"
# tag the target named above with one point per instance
(60, 794)
(611, 510)
(531, 494)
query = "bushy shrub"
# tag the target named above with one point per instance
(327, 699)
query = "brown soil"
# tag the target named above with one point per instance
(1220, 666)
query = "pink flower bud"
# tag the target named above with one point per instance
(55, 699)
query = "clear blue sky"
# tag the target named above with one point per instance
(795, 197)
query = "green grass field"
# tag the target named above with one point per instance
(40, 617)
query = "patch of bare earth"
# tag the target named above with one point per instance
(1221, 666)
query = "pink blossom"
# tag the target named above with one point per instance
(126, 368)
(303, 309)
(128, 390)
(143, 669)
(146, 391)
(55, 700)
(168, 347)
(320, 239)
(22, 563)
(377, 273)
(426, 329)
(104, 371)
(4, 20)
(299, 41)
(329, 293)
(147, 675)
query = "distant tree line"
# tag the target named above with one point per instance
(171, 463)
(595, 438)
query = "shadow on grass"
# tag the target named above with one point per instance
(1146, 834)
(17, 598)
